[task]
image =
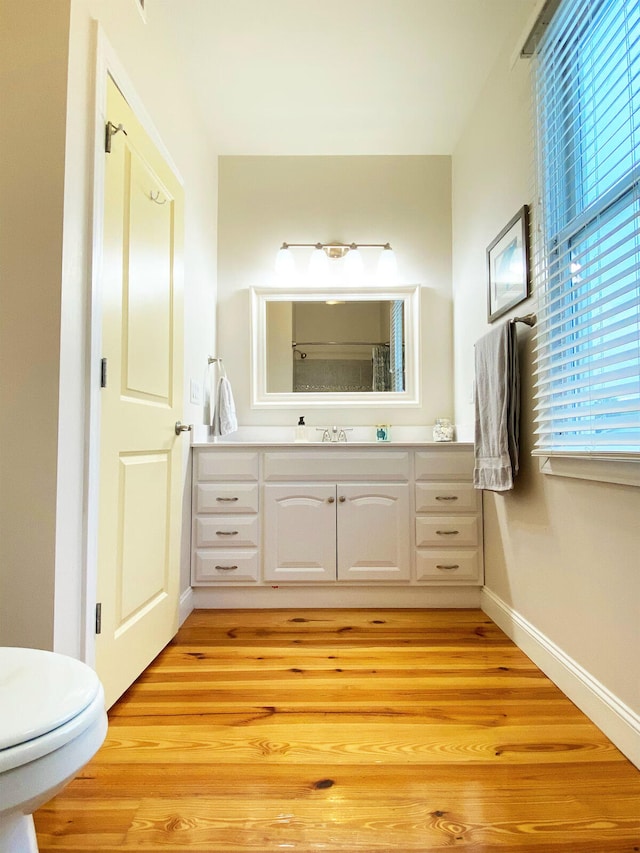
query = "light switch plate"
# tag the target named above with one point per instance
(196, 392)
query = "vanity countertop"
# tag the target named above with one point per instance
(358, 437)
(224, 442)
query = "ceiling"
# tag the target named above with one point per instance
(287, 77)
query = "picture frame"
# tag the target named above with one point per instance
(508, 276)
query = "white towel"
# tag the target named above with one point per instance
(497, 428)
(222, 409)
(225, 420)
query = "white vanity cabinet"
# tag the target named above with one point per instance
(342, 531)
(276, 516)
(225, 522)
(448, 522)
(337, 514)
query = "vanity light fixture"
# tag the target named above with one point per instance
(323, 253)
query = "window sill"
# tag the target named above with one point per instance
(625, 472)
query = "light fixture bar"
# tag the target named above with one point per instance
(352, 269)
(345, 246)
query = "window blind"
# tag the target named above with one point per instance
(396, 345)
(587, 90)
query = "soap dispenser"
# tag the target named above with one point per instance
(301, 430)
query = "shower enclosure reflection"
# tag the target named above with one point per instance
(336, 346)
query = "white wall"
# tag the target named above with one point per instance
(564, 554)
(264, 201)
(43, 556)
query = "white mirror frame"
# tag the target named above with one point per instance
(261, 398)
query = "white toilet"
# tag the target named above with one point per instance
(52, 722)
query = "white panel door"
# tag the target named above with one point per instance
(373, 532)
(140, 455)
(300, 532)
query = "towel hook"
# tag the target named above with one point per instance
(156, 197)
(110, 130)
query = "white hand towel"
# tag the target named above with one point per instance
(225, 420)
(497, 409)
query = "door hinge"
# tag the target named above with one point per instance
(99, 617)
(110, 130)
(103, 372)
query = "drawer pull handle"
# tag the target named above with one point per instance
(446, 497)
(226, 568)
(227, 499)
(447, 532)
(447, 568)
(226, 532)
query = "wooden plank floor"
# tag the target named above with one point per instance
(345, 730)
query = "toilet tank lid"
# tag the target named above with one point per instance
(40, 691)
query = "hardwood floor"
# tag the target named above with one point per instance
(344, 730)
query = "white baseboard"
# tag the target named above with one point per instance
(225, 598)
(186, 605)
(618, 722)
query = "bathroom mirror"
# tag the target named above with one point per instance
(335, 347)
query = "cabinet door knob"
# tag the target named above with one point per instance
(342, 499)
(330, 500)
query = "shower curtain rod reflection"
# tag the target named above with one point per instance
(295, 344)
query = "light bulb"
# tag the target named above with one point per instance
(318, 265)
(353, 264)
(387, 266)
(285, 263)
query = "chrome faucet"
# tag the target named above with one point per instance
(334, 435)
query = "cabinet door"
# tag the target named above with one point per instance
(373, 532)
(300, 532)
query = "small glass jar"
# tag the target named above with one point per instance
(382, 432)
(443, 430)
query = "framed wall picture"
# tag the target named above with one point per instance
(508, 266)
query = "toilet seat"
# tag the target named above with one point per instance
(53, 698)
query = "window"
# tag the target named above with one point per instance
(587, 84)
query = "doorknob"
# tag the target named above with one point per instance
(180, 427)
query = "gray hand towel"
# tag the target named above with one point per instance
(497, 425)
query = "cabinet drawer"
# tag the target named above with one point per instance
(447, 497)
(225, 465)
(446, 463)
(226, 497)
(226, 532)
(448, 566)
(336, 463)
(446, 531)
(230, 566)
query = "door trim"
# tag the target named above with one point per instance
(107, 65)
